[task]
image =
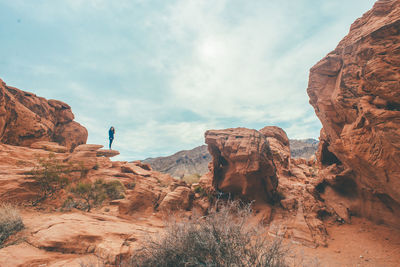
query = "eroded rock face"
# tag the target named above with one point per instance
(26, 118)
(242, 163)
(279, 144)
(355, 91)
(243, 159)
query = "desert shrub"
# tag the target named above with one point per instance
(205, 193)
(114, 189)
(225, 237)
(191, 178)
(95, 193)
(10, 222)
(69, 203)
(51, 176)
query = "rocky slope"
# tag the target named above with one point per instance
(303, 148)
(355, 91)
(109, 233)
(185, 162)
(26, 118)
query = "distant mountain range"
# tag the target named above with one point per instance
(303, 148)
(185, 162)
(195, 161)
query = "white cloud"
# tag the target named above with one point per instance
(233, 69)
(140, 143)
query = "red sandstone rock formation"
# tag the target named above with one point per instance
(355, 91)
(279, 144)
(244, 158)
(104, 234)
(146, 190)
(242, 163)
(26, 118)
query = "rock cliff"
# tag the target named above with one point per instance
(26, 118)
(355, 91)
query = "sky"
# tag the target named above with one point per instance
(163, 72)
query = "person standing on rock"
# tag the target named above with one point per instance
(111, 133)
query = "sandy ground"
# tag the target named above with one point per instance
(361, 243)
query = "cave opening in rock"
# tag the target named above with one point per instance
(320, 188)
(327, 157)
(322, 214)
(393, 106)
(345, 186)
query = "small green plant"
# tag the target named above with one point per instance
(69, 203)
(114, 189)
(95, 193)
(10, 222)
(92, 193)
(51, 176)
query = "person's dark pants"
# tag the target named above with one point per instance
(111, 140)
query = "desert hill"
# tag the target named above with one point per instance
(183, 163)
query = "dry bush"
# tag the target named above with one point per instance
(51, 176)
(95, 193)
(10, 221)
(225, 237)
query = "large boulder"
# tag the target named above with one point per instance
(242, 163)
(179, 199)
(26, 118)
(355, 91)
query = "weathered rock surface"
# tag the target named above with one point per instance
(135, 169)
(242, 163)
(146, 189)
(294, 208)
(87, 147)
(26, 118)
(107, 153)
(355, 91)
(70, 239)
(279, 144)
(49, 146)
(179, 199)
